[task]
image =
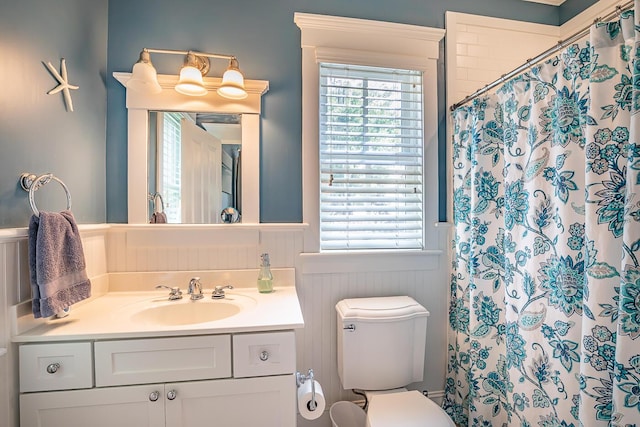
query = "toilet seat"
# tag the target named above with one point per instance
(406, 409)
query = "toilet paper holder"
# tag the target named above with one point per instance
(301, 379)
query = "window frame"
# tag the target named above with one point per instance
(163, 117)
(374, 43)
(352, 100)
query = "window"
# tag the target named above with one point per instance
(169, 173)
(370, 157)
(369, 134)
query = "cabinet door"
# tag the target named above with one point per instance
(264, 402)
(108, 407)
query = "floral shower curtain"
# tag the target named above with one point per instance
(544, 319)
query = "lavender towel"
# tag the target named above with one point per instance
(56, 263)
(158, 218)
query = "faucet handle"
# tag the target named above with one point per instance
(174, 292)
(218, 291)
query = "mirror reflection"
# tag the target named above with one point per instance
(194, 167)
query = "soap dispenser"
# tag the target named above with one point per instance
(265, 278)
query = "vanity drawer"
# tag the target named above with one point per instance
(55, 366)
(272, 353)
(141, 361)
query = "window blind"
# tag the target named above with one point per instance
(170, 173)
(371, 157)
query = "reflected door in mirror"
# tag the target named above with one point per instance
(194, 164)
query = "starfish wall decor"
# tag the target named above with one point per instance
(63, 85)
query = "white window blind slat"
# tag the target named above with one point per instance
(355, 210)
(336, 225)
(371, 158)
(170, 176)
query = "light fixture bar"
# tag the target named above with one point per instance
(196, 65)
(187, 52)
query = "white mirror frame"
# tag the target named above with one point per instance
(138, 107)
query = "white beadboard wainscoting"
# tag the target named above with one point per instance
(15, 288)
(149, 247)
(321, 281)
(8, 381)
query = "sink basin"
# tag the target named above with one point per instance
(186, 311)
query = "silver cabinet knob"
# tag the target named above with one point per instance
(155, 395)
(172, 394)
(264, 356)
(53, 368)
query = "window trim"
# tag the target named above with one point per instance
(350, 41)
(365, 112)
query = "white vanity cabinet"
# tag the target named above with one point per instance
(266, 402)
(172, 382)
(97, 407)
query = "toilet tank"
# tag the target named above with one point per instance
(381, 342)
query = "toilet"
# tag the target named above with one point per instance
(381, 344)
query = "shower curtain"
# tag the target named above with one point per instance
(544, 318)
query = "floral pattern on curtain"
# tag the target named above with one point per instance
(544, 318)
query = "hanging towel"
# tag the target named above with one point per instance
(56, 263)
(158, 218)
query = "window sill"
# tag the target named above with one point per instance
(376, 261)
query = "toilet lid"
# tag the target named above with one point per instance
(406, 409)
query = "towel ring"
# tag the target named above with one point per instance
(31, 183)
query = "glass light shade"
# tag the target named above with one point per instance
(232, 86)
(190, 82)
(144, 78)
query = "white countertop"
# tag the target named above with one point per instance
(110, 316)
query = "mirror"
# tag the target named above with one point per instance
(139, 105)
(194, 163)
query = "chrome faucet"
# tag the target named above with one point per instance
(174, 292)
(195, 288)
(218, 292)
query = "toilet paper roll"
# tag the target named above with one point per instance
(304, 401)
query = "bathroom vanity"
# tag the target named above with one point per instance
(139, 359)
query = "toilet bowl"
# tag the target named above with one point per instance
(406, 409)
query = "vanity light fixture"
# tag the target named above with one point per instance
(144, 77)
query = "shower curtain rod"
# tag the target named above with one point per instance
(560, 45)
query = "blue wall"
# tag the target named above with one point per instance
(87, 148)
(571, 8)
(266, 41)
(36, 133)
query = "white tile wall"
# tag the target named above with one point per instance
(481, 49)
(600, 9)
